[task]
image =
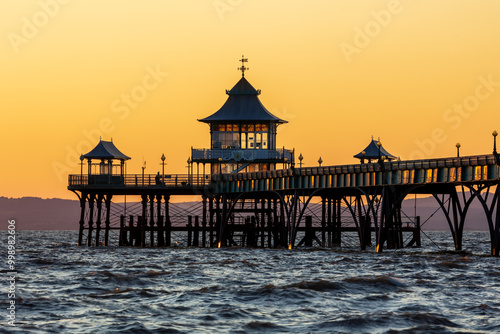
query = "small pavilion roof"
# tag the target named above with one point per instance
(371, 152)
(105, 150)
(242, 105)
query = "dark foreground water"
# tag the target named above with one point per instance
(62, 288)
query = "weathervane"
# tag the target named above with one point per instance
(243, 68)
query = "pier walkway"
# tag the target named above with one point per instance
(276, 201)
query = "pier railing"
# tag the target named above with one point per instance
(457, 169)
(279, 155)
(139, 180)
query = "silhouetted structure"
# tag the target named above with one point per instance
(246, 201)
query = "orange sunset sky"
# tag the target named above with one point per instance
(422, 75)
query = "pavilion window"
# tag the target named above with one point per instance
(243, 140)
(225, 139)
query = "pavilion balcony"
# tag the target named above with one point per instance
(243, 155)
(137, 181)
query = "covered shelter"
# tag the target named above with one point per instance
(374, 151)
(107, 154)
(242, 133)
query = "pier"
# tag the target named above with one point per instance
(253, 194)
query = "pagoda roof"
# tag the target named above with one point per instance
(105, 150)
(371, 152)
(242, 105)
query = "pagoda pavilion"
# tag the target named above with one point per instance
(374, 151)
(106, 170)
(243, 134)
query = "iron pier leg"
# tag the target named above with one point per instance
(262, 222)
(151, 220)
(211, 221)
(123, 233)
(309, 235)
(168, 223)
(98, 222)
(337, 224)
(83, 199)
(217, 221)
(329, 222)
(269, 224)
(91, 219)
(189, 230)
(144, 220)
(417, 232)
(160, 232)
(107, 220)
(131, 230)
(323, 222)
(204, 220)
(196, 234)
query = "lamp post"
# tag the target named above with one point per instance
(300, 160)
(363, 157)
(379, 144)
(495, 134)
(220, 165)
(458, 149)
(81, 169)
(143, 168)
(189, 166)
(320, 161)
(292, 157)
(163, 168)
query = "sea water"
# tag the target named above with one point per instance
(62, 288)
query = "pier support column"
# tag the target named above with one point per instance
(132, 230)
(151, 220)
(123, 232)
(323, 221)
(211, 221)
(269, 223)
(168, 223)
(390, 230)
(276, 225)
(196, 234)
(262, 223)
(495, 234)
(91, 219)
(98, 222)
(329, 223)
(337, 223)
(107, 221)
(223, 230)
(159, 218)
(144, 221)
(83, 199)
(189, 230)
(204, 218)
(217, 222)
(309, 234)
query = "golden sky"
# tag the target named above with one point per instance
(420, 74)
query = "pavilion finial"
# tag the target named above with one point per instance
(243, 68)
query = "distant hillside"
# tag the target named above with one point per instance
(32, 213)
